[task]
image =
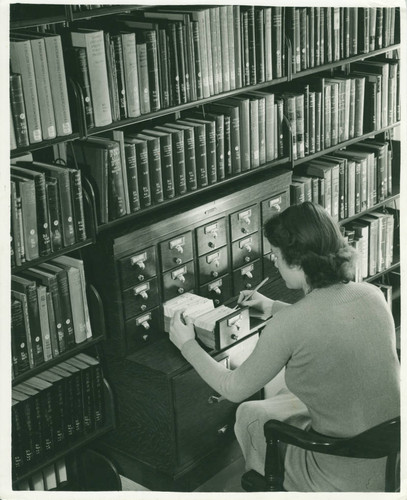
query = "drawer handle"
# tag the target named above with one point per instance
(139, 263)
(215, 399)
(234, 336)
(179, 248)
(249, 275)
(277, 207)
(222, 431)
(143, 294)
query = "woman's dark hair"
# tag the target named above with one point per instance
(308, 236)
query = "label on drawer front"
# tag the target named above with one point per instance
(178, 272)
(245, 214)
(275, 201)
(142, 319)
(212, 257)
(137, 258)
(215, 284)
(247, 269)
(141, 288)
(247, 241)
(211, 228)
(178, 242)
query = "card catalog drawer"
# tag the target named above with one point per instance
(140, 298)
(219, 290)
(176, 251)
(247, 277)
(138, 267)
(178, 281)
(245, 250)
(144, 329)
(213, 265)
(272, 207)
(244, 222)
(211, 236)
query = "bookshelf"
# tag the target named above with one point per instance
(157, 440)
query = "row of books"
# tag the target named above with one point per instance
(49, 312)
(155, 59)
(328, 110)
(372, 236)
(39, 103)
(320, 35)
(348, 181)
(133, 170)
(47, 211)
(56, 408)
(52, 477)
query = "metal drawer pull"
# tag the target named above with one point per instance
(222, 431)
(215, 399)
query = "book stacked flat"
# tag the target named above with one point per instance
(47, 212)
(49, 312)
(39, 101)
(348, 181)
(55, 409)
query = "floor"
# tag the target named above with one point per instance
(226, 480)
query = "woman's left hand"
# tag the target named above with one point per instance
(180, 331)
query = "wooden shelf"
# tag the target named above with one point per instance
(43, 144)
(104, 11)
(387, 201)
(382, 273)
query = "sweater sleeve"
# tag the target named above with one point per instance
(269, 356)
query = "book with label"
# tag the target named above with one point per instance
(143, 176)
(154, 166)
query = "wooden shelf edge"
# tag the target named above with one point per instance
(15, 153)
(388, 200)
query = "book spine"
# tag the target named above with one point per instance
(121, 86)
(154, 165)
(358, 187)
(77, 204)
(152, 65)
(81, 71)
(334, 114)
(220, 146)
(228, 147)
(300, 125)
(113, 93)
(279, 121)
(201, 158)
(268, 48)
(216, 49)
(190, 159)
(259, 43)
(35, 326)
(245, 48)
(269, 127)
(252, 45)
(59, 90)
(303, 38)
(22, 63)
(98, 395)
(18, 114)
(68, 229)
(254, 134)
(238, 46)
(231, 46)
(58, 405)
(209, 50)
(17, 438)
(42, 78)
(52, 325)
(342, 193)
(144, 92)
(351, 188)
(131, 166)
(164, 67)
(211, 151)
(143, 175)
(87, 400)
(372, 28)
(198, 63)
(29, 219)
(78, 312)
(66, 308)
(277, 41)
(167, 166)
(20, 228)
(44, 322)
(19, 348)
(54, 214)
(327, 116)
(174, 65)
(312, 123)
(14, 227)
(290, 113)
(95, 50)
(44, 233)
(180, 179)
(116, 201)
(131, 74)
(223, 17)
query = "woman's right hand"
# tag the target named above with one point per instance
(257, 301)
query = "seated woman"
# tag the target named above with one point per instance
(337, 345)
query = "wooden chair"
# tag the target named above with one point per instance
(383, 440)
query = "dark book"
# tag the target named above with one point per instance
(154, 166)
(363, 29)
(245, 47)
(19, 347)
(112, 90)
(278, 41)
(34, 401)
(131, 74)
(164, 66)
(15, 229)
(178, 141)
(143, 175)
(59, 406)
(78, 65)
(174, 65)
(18, 448)
(65, 300)
(116, 41)
(259, 42)
(343, 186)
(64, 185)
(200, 152)
(189, 154)
(303, 37)
(197, 59)
(132, 181)
(244, 104)
(379, 28)
(87, 394)
(210, 131)
(307, 183)
(43, 226)
(220, 143)
(29, 288)
(69, 396)
(167, 166)
(290, 113)
(381, 153)
(54, 213)
(18, 111)
(76, 397)
(27, 214)
(150, 38)
(296, 193)
(317, 35)
(228, 147)
(291, 30)
(353, 31)
(54, 334)
(233, 112)
(279, 104)
(97, 386)
(252, 43)
(224, 49)
(45, 396)
(323, 171)
(77, 204)
(23, 418)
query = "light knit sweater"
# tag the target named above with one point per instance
(338, 346)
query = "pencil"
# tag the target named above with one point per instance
(253, 291)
